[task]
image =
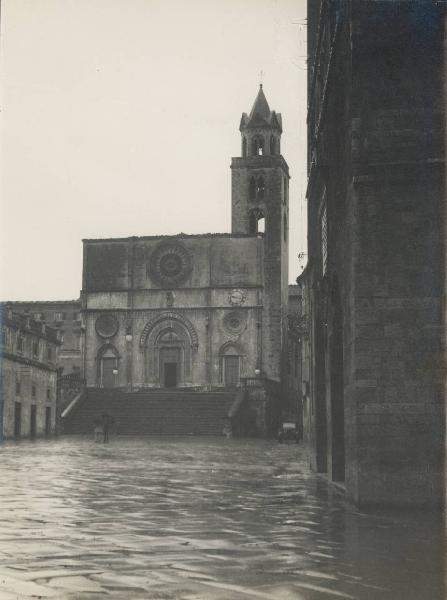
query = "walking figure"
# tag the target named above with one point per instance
(107, 421)
(98, 430)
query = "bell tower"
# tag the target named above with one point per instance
(260, 206)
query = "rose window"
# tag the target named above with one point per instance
(170, 264)
(234, 322)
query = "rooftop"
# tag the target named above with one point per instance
(176, 236)
(25, 323)
(261, 115)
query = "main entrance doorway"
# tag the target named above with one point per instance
(170, 374)
(170, 366)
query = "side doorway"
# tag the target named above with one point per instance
(230, 366)
(108, 365)
(108, 375)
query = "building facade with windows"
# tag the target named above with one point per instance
(372, 290)
(65, 316)
(198, 311)
(29, 358)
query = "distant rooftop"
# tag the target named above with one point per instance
(174, 236)
(26, 323)
(34, 302)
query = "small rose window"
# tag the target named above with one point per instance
(234, 322)
(106, 326)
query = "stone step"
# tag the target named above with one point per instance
(151, 412)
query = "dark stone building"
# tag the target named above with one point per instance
(373, 284)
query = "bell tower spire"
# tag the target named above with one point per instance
(260, 207)
(261, 129)
(260, 178)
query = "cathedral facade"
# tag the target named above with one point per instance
(197, 311)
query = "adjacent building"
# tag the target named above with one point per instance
(65, 316)
(374, 420)
(28, 379)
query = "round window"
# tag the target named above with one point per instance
(170, 263)
(106, 326)
(234, 322)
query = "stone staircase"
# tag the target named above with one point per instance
(152, 412)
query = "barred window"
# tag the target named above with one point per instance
(324, 238)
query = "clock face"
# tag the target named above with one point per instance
(236, 297)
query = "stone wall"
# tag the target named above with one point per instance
(376, 160)
(397, 373)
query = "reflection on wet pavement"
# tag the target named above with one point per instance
(198, 519)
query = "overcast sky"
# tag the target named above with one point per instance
(120, 118)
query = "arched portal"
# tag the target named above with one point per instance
(168, 343)
(170, 347)
(108, 366)
(230, 364)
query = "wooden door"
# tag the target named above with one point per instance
(17, 419)
(171, 374)
(32, 427)
(108, 366)
(231, 370)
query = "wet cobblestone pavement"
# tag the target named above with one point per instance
(198, 519)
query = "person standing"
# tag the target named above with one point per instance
(98, 430)
(107, 421)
